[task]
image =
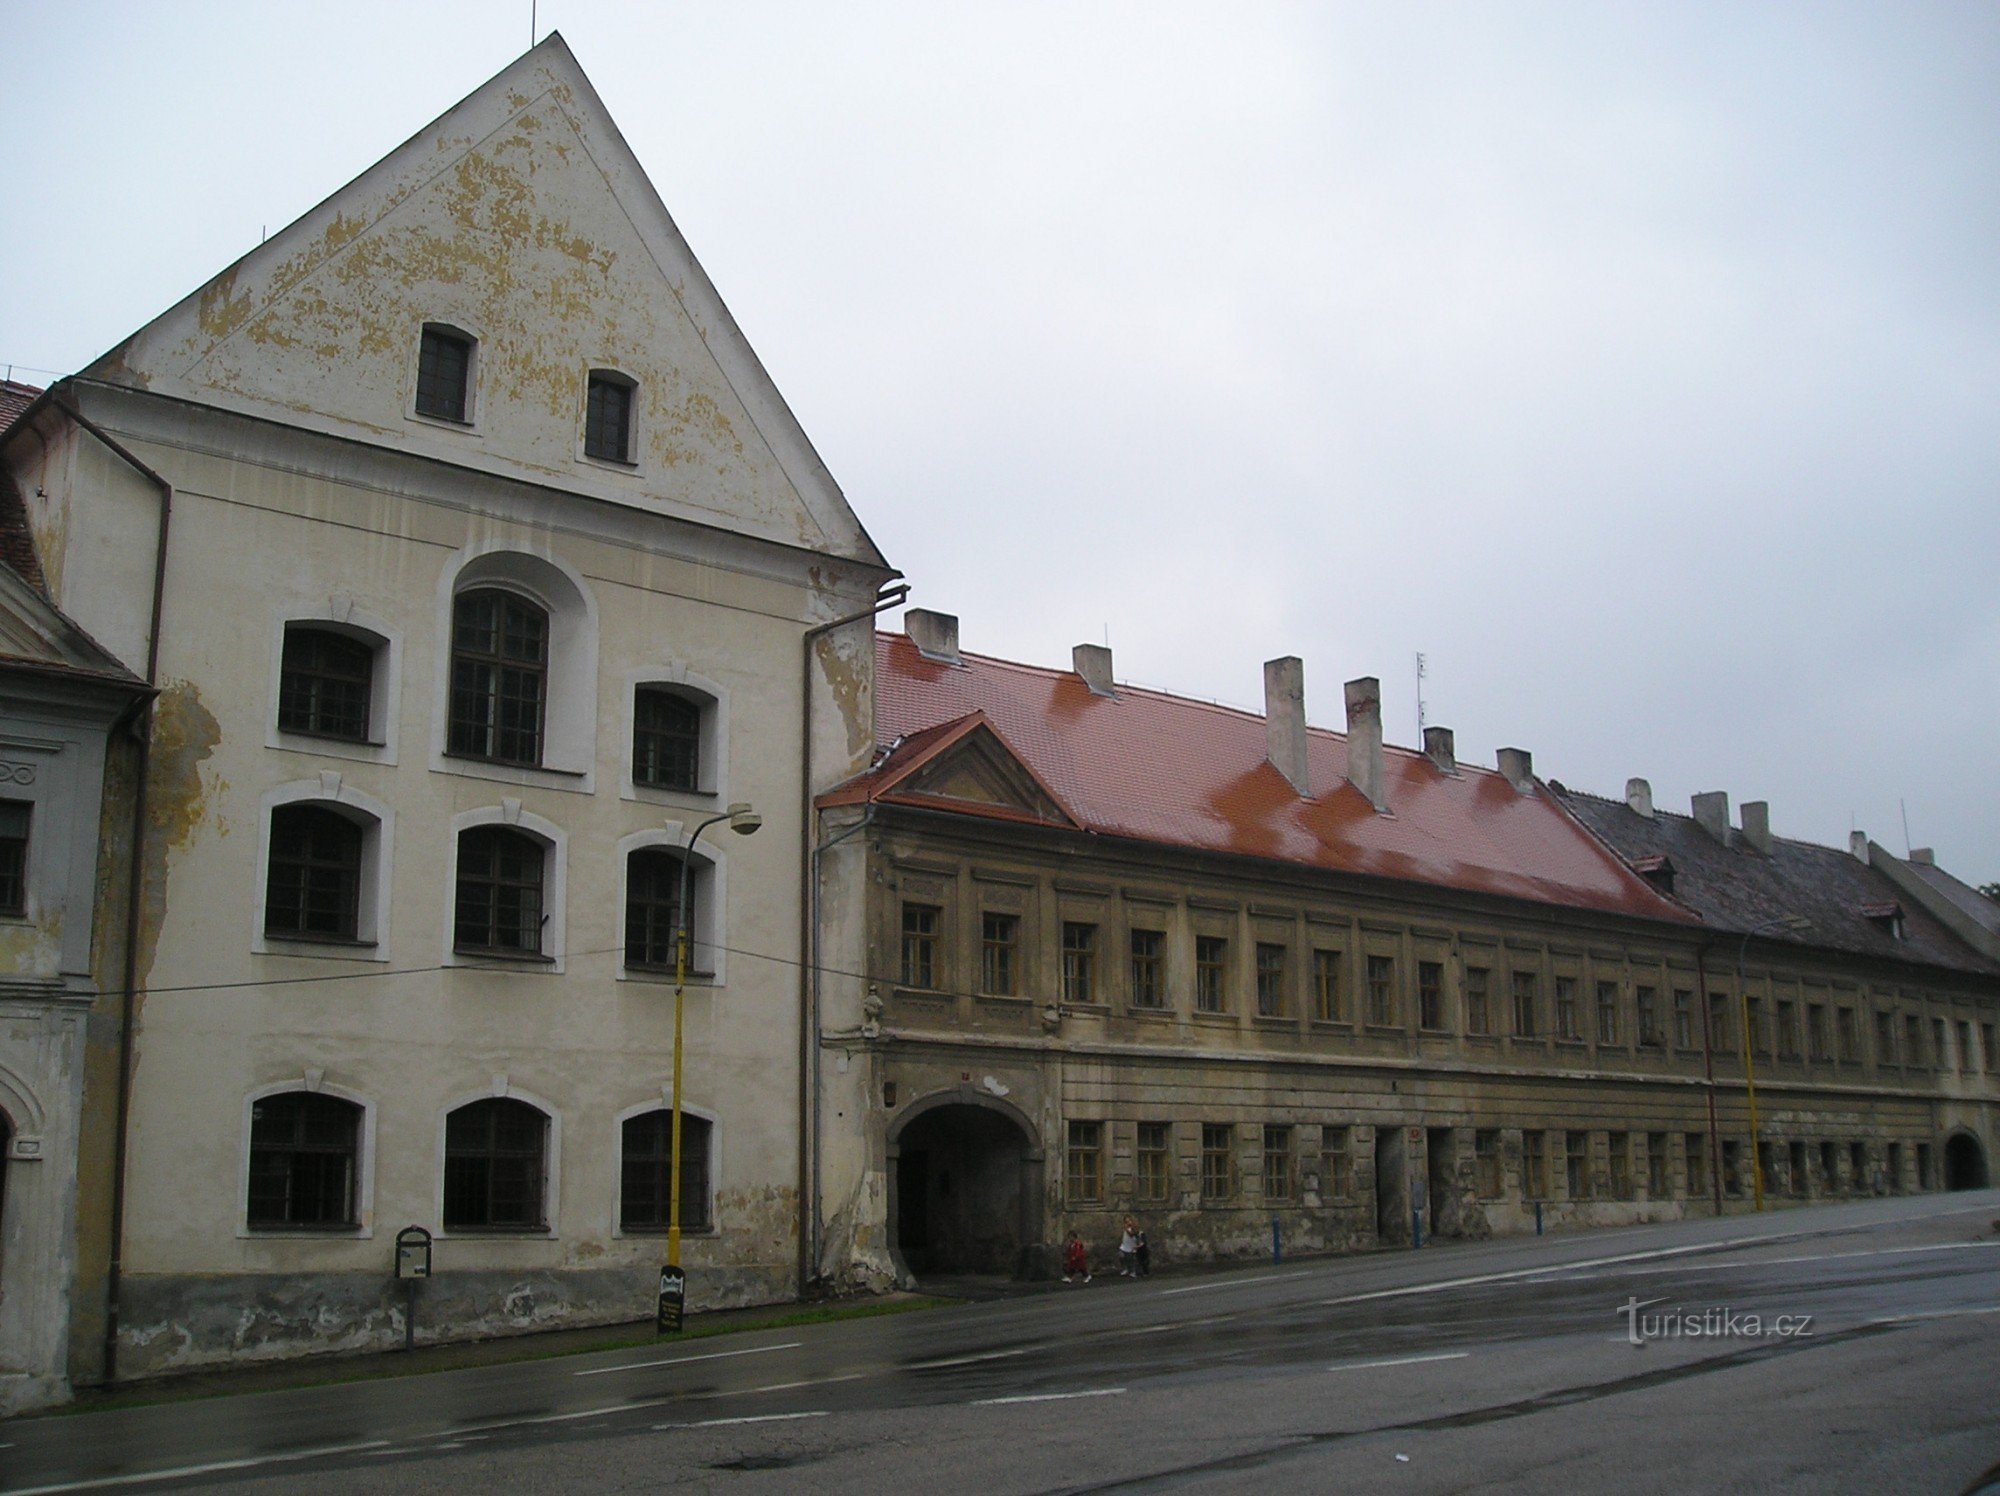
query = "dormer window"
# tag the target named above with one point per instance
(1888, 918)
(607, 421)
(1657, 870)
(444, 375)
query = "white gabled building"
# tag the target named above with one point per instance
(476, 562)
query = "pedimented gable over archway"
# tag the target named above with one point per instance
(520, 218)
(964, 765)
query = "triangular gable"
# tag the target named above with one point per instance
(522, 218)
(34, 632)
(967, 766)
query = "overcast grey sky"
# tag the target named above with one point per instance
(1640, 364)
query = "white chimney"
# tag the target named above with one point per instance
(1442, 748)
(1711, 813)
(1639, 797)
(1517, 767)
(934, 634)
(1923, 856)
(1364, 739)
(1285, 718)
(1093, 664)
(1757, 824)
(1857, 843)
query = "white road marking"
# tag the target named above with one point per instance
(1903, 1319)
(753, 1418)
(1235, 1283)
(215, 1467)
(506, 1423)
(1718, 1267)
(1038, 1397)
(851, 1376)
(1399, 1361)
(1544, 1270)
(759, 1350)
(964, 1360)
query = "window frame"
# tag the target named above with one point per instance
(1211, 974)
(999, 953)
(1273, 963)
(504, 670)
(1336, 1162)
(322, 635)
(1524, 989)
(14, 902)
(607, 378)
(1329, 994)
(709, 1157)
(374, 906)
(1083, 1161)
(1079, 964)
(695, 737)
(1431, 1017)
(551, 1172)
(467, 403)
(1218, 1163)
(1153, 1145)
(1378, 985)
(1479, 1001)
(312, 862)
(554, 947)
(361, 1186)
(708, 935)
(928, 946)
(1149, 994)
(1280, 1141)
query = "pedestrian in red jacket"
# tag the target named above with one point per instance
(1075, 1264)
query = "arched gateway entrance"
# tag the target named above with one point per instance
(1964, 1163)
(965, 1186)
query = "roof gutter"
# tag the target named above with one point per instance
(135, 876)
(889, 596)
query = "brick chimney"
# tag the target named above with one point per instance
(1711, 813)
(1517, 767)
(1285, 718)
(934, 634)
(1364, 739)
(1093, 664)
(1442, 749)
(1639, 797)
(1757, 824)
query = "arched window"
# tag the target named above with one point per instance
(666, 739)
(313, 889)
(499, 903)
(495, 1167)
(652, 900)
(304, 1159)
(326, 683)
(645, 1185)
(499, 676)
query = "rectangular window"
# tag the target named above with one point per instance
(666, 739)
(499, 899)
(1535, 1164)
(1732, 1168)
(1079, 962)
(1885, 1039)
(1270, 980)
(1211, 974)
(1430, 995)
(1857, 1166)
(1719, 1037)
(1966, 1059)
(1085, 1170)
(1327, 1007)
(1892, 1165)
(1154, 1161)
(1382, 990)
(1576, 1164)
(1218, 1166)
(444, 373)
(1566, 1009)
(1336, 1163)
(1657, 1186)
(499, 677)
(325, 680)
(1847, 1027)
(1646, 1000)
(1683, 1018)
(1607, 1012)
(1526, 1001)
(921, 967)
(1940, 1046)
(607, 417)
(1618, 1155)
(999, 953)
(1486, 1163)
(1788, 1030)
(1280, 1163)
(14, 818)
(1913, 1038)
(1985, 1046)
(1697, 1157)
(1478, 1000)
(1149, 969)
(1760, 1032)
(1818, 1035)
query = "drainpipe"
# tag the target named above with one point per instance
(1708, 1070)
(134, 900)
(889, 596)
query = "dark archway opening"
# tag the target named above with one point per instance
(1964, 1163)
(964, 1187)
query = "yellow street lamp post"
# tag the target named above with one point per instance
(743, 821)
(1782, 922)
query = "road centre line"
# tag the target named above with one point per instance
(1235, 1283)
(752, 1418)
(851, 1376)
(965, 1360)
(1903, 1319)
(1717, 1267)
(756, 1350)
(1399, 1361)
(214, 1467)
(1041, 1397)
(1543, 1271)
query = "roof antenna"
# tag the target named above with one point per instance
(1422, 671)
(532, 25)
(1904, 806)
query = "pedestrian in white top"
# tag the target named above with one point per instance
(1128, 1250)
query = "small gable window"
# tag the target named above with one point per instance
(324, 684)
(666, 740)
(444, 375)
(607, 423)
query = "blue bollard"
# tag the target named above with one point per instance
(1416, 1227)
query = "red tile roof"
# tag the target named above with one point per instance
(1185, 773)
(17, 545)
(15, 397)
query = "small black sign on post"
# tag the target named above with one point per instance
(413, 1261)
(673, 1298)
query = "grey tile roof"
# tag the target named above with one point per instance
(1735, 888)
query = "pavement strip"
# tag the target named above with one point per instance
(1399, 1361)
(214, 1467)
(755, 1350)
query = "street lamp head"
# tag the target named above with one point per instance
(743, 820)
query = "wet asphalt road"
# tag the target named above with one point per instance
(1496, 1365)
